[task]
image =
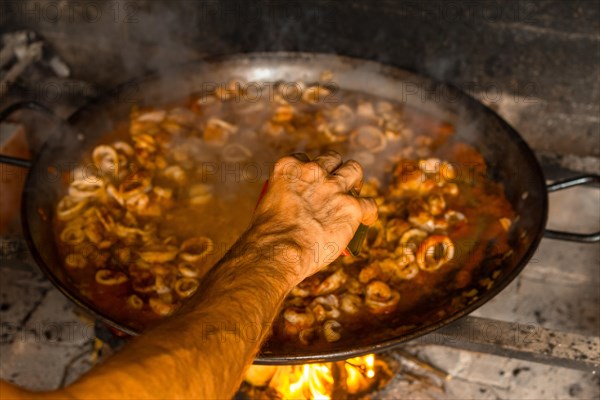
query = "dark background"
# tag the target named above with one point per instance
(536, 62)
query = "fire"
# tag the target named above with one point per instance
(317, 381)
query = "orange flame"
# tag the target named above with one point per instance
(314, 381)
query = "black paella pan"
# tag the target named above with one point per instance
(509, 159)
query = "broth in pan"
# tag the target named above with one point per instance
(152, 208)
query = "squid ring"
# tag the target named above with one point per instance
(380, 298)
(332, 330)
(110, 278)
(195, 249)
(72, 235)
(85, 188)
(70, 207)
(185, 287)
(161, 307)
(135, 302)
(429, 257)
(158, 254)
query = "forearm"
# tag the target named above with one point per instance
(202, 352)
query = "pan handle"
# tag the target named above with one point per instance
(30, 105)
(571, 236)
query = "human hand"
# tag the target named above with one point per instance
(308, 213)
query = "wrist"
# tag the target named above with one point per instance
(277, 250)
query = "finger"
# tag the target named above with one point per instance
(358, 187)
(329, 161)
(349, 175)
(368, 207)
(287, 165)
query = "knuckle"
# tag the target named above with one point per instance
(355, 166)
(283, 163)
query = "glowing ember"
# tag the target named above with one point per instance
(318, 381)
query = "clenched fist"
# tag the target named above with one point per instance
(308, 213)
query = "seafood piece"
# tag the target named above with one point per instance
(297, 319)
(350, 303)
(196, 249)
(163, 193)
(365, 111)
(176, 174)
(164, 279)
(283, 113)
(506, 223)
(86, 188)
(430, 165)
(436, 204)
(380, 298)
(443, 170)
(407, 271)
(434, 252)
(375, 235)
(152, 116)
(354, 286)
(325, 307)
(368, 137)
(146, 142)
(370, 272)
(72, 235)
(188, 270)
(341, 120)
(135, 302)
(161, 307)
(402, 256)
(235, 153)
(106, 159)
(207, 104)
(422, 219)
(94, 232)
(370, 188)
(450, 189)
(306, 287)
(315, 94)
(123, 148)
(129, 234)
(123, 254)
(110, 278)
(143, 282)
(185, 287)
(306, 336)
(173, 127)
(332, 330)
(200, 193)
(182, 116)
(158, 253)
(142, 205)
(272, 130)
(331, 283)
(412, 238)
(132, 188)
(75, 261)
(115, 194)
(303, 318)
(395, 228)
(69, 207)
(384, 108)
(217, 131)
